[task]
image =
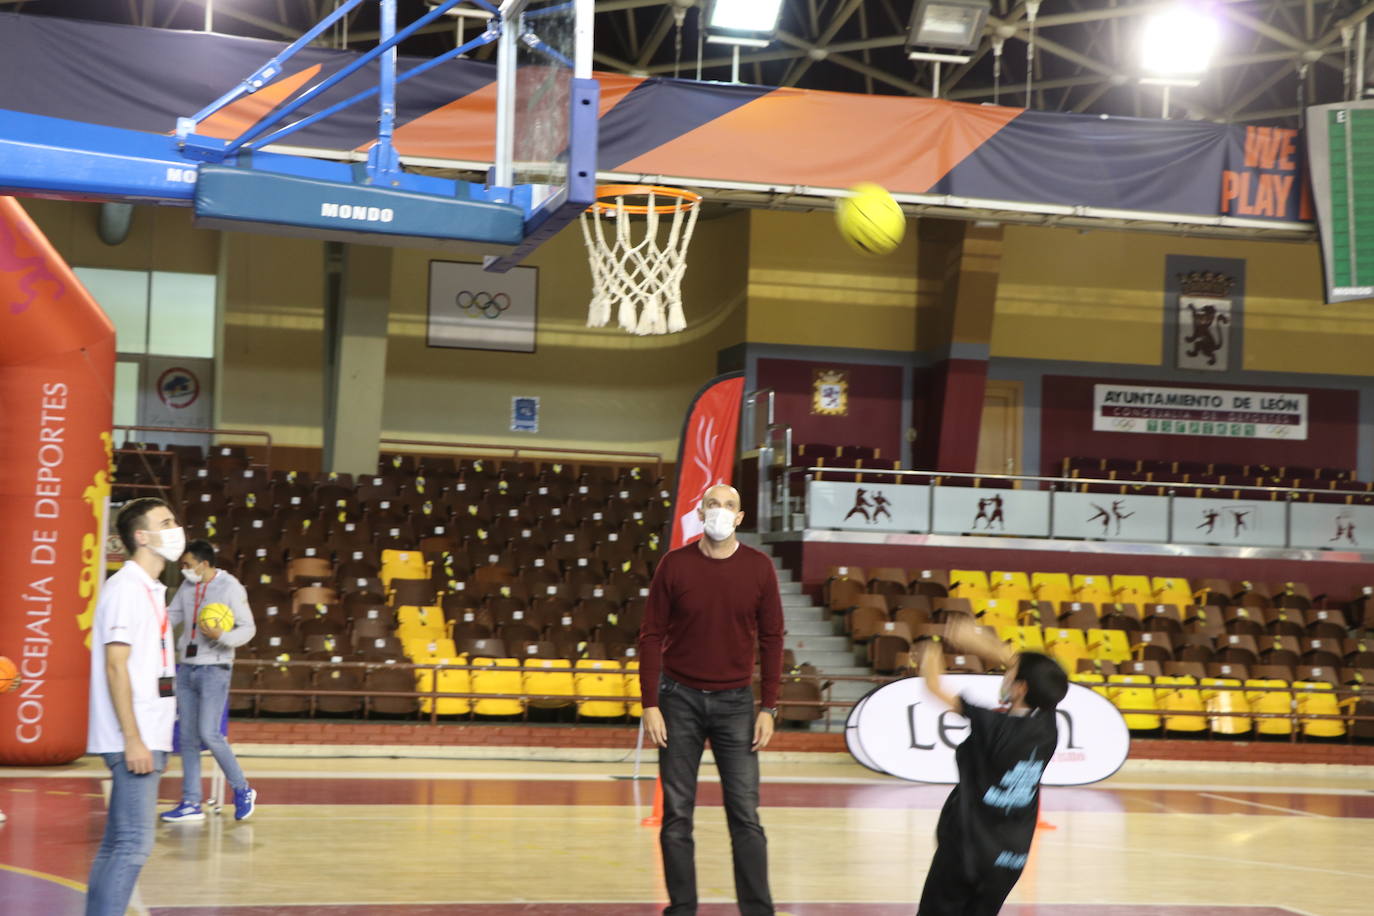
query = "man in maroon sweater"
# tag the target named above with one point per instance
(712, 607)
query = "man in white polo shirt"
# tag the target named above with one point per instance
(133, 706)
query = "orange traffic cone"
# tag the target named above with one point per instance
(655, 819)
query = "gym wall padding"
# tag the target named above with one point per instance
(57, 351)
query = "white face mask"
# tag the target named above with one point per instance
(720, 524)
(172, 545)
(190, 575)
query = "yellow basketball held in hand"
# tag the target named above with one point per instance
(870, 220)
(217, 615)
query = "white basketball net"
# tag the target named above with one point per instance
(633, 270)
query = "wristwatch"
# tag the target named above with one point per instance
(771, 710)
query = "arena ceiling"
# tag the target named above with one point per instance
(1276, 56)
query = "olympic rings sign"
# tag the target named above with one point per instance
(488, 305)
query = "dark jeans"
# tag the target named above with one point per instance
(949, 892)
(727, 718)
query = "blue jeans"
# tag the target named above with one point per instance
(202, 692)
(727, 718)
(128, 839)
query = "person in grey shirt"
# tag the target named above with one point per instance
(206, 661)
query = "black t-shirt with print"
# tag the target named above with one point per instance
(990, 816)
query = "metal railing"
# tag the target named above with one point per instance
(516, 450)
(266, 464)
(1343, 695)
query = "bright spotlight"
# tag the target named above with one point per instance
(758, 16)
(1179, 41)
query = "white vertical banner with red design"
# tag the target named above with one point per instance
(177, 393)
(706, 455)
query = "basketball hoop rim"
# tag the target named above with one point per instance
(683, 199)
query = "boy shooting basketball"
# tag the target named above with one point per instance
(986, 826)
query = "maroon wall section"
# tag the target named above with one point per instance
(1340, 580)
(1066, 430)
(875, 404)
(962, 390)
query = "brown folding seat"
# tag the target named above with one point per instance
(484, 648)
(1272, 672)
(309, 571)
(1237, 648)
(284, 677)
(413, 592)
(374, 488)
(304, 542)
(1284, 621)
(1252, 595)
(1195, 648)
(1234, 670)
(378, 647)
(1325, 624)
(1149, 668)
(1291, 595)
(390, 678)
(963, 664)
(349, 534)
(243, 677)
(533, 648)
(932, 582)
(1153, 645)
(598, 608)
(610, 634)
(912, 616)
(1213, 591)
(867, 620)
(632, 614)
(890, 581)
(1125, 617)
(1279, 650)
(1078, 614)
(1358, 653)
(946, 608)
(1248, 621)
(361, 585)
(1323, 652)
(246, 482)
(1206, 620)
(799, 689)
(368, 607)
(889, 650)
(1317, 673)
(332, 680)
(327, 642)
(312, 595)
(1191, 669)
(841, 591)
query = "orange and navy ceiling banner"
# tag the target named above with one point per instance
(142, 79)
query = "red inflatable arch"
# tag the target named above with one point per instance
(56, 403)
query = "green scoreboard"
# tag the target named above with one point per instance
(1340, 151)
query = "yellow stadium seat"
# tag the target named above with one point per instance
(1090, 679)
(1011, 586)
(1224, 701)
(498, 675)
(1094, 588)
(1318, 698)
(1133, 590)
(596, 677)
(1066, 646)
(969, 583)
(549, 676)
(1023, 638)
(995, 612)
(1053, 587)
(1109, 645)
(450, 681)
(427, 649)
(1173, 591)
(411, 617)
(632, 688)
(1271, 701)
(403, 564)
(1179, 694)
(1133, 692)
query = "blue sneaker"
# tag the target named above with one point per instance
(183, 813)
(245, 800)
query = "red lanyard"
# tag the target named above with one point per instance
(160, 614)
(195, 610)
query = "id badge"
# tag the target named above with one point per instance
(191, 649)
(166, 686)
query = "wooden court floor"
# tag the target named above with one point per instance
(342, 837)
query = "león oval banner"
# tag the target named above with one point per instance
(902, 730)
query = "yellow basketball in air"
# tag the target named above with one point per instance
(218, 616)
(870, 220)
